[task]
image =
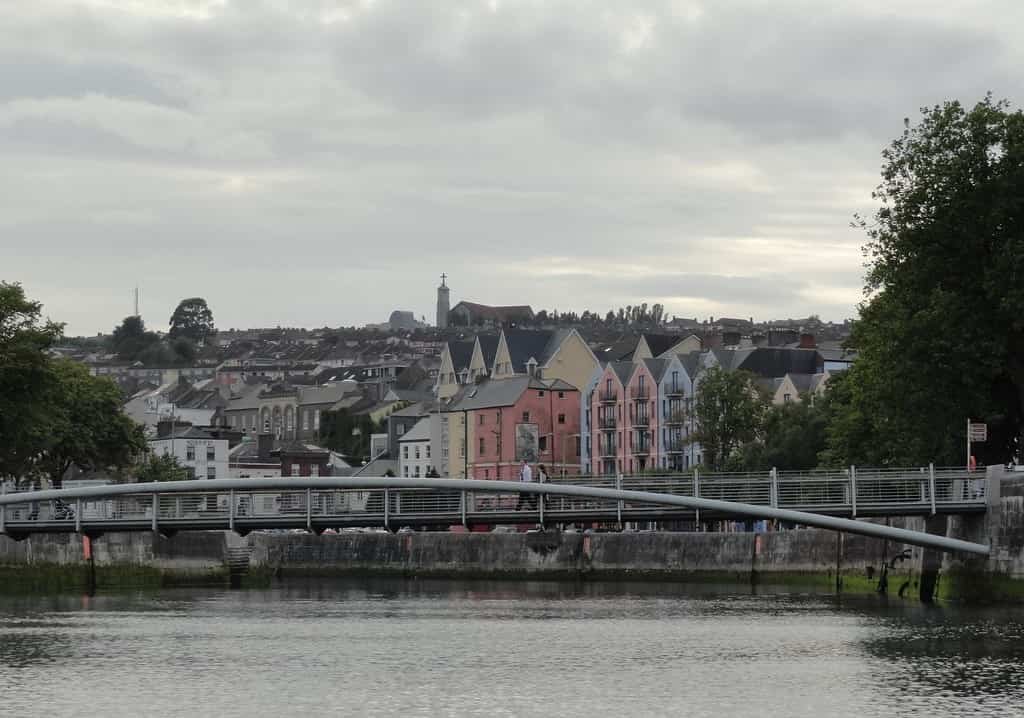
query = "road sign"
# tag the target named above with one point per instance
(977, 432)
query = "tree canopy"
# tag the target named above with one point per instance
(193, 320)
(53, 413)
(728, 412)
(941, 334)
(162, 467)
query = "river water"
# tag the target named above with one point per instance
(426, 648)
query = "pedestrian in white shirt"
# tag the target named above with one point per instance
(526, 477)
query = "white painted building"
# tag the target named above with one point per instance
(197, 450)
(414, 451)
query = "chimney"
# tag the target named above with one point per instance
(807, 341)
(265, 444)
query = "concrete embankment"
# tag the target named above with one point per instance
(812, 556)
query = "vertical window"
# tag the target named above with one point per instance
(295, 469)
(561, 418)
(190, 452)
(405, 451)
(405, 470)
(417, 470)
(481, 422)
(314, 470)
(417, 451)
(482, 446)
(526, 417)
(211, 452)
(211, 472)
(316, 419)
(428, 450)
(561, 395)
(305, 419)
(542, 443)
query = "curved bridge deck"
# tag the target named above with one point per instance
(827, 499)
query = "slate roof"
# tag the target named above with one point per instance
(691, 363)
(488, 347)
(623, 370)
(773, 362)
(496, 314)
(661, 343)
(326, 394)
(502, 392)
(461, 353)
(526, 343)
(622, 350)
(657, 368)
(420, 432)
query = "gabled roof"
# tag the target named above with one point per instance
(326, 394)
(661, 343)
(420, 432)
(623, 370)
(621, 350)
(502, 392)
(496, 314)
(524, 344)
(461, 353)
(488, 347)
(691, 363)
(657, 368)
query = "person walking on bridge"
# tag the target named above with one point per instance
(526, 477)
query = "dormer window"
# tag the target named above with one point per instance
(531, 367)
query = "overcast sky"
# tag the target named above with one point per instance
(321, 163)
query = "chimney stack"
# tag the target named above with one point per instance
(265, 444)
(807, 341)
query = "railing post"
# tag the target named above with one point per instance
(3, 508)
(618, 505)
(931, 485)
(387, 502)
(309, 509)
(156, 509)
(462, 507)
(78, 515)
(231, 510)
(774, 493)
(696, 495)
(853, 490)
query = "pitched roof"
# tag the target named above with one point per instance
(420, 432)
(661, 343)
(657, 368)
(488, 347)
(496, 314)
(691, 363)
(621, 350)
(326, 394)
(776, 362)
(623, 370)
(493, 392)
(461, 352)
(524, 344)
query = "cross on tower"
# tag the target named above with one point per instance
(443, 277)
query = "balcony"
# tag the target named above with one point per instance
(607, 397)
(642, 420)
(676, 446)
(641, 448)
(675, 418)
(674, 391)
(608, 422)
(641, 395)
(607, 451)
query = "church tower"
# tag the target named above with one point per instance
(442, 304)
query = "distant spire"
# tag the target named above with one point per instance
(443, 277)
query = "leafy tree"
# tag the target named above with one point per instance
(193, 320)
(161, 467)
(25, 378)
(728, 412)
(130, 339)
(347, 434)
(941, 335)
(86, 426)
(792, 435)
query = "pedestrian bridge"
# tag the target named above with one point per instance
(832, 500)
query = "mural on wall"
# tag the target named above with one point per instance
(527, 442)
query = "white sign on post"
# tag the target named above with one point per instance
(977, 432)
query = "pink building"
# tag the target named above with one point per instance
(507, 420)
(626, 422)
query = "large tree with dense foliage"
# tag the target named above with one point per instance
(791, 437)
(130, 340)
(160, 467)
(25, 378)
(728, 412)
(941, 334)
(193, 320)
(85, 425)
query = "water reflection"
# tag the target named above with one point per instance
(424, 647)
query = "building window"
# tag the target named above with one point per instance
(211, 472)
(417, 451)
(305, 420)
(295, 469)
(542, 443)
(190, 453)
(427, 447)
(526, 417)
(481, 422)
(314, 470)
(540, 393)
(405, 451)
(487, 473)
(561, 418)
(561, 395)
(579, 445)
(211, 452)
(786, 398)
(316, 419)
(417, 471)
(482, 446)
(405, 470)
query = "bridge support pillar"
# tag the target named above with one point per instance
(931, 560)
